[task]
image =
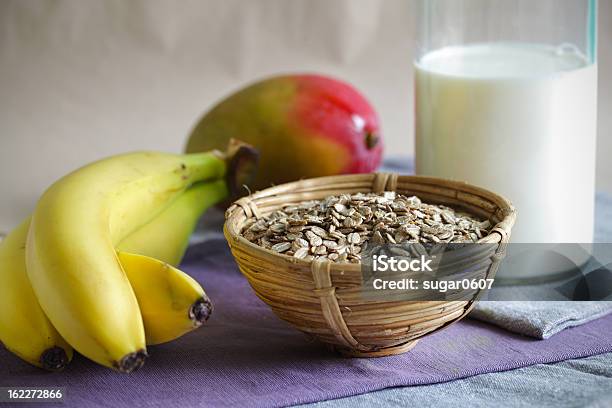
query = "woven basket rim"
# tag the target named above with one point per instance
(496, 234)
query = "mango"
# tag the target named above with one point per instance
(302, 125)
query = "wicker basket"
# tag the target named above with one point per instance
(323, 299)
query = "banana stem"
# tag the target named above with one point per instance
(238, 165)
(206, 166)
(242, 160)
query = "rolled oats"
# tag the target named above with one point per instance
(340, 227)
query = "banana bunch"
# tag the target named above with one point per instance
(93, 268)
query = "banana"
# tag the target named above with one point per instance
(172, 303)
(70, 253)
(24, 328)
(166, 236)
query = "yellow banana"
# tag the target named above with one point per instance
(166, 236)
(70, 252)
(24, 328)
(172, 303)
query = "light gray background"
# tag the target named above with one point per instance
(80, 80)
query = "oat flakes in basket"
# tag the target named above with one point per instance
(340, 227)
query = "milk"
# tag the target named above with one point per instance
(519, 120)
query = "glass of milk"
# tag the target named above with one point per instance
(506, 98)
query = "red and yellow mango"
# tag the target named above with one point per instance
(303, 126)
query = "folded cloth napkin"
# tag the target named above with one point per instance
(539, 319)
(532, 318)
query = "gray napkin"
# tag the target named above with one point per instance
(538, 318)
(544, 319)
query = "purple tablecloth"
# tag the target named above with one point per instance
(245, 356)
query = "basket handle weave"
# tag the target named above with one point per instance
(384, 182)
(329, 305)
(248, 206)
